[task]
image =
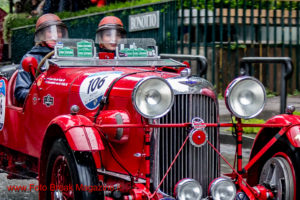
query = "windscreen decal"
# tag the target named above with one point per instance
(2, 103)
(94, 87)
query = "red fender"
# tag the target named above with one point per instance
(293, 134)
(266, 134)
(80, 132)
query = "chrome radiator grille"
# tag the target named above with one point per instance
(202, 163)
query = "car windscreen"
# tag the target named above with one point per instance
(116, 63)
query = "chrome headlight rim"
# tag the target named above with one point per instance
(182, 183)
(141, 82)
(229, 90)
(220, 180)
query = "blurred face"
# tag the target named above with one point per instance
(51, 34)
(108, 39)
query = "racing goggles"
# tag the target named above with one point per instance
(51, 33)
(109, 36)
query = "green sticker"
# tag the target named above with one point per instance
(84, 49)
(130, 52)
(66, 52)
(139, 52)
(135, 53)
(142, 52)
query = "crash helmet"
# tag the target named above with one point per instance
(110, 30)
(49, 28)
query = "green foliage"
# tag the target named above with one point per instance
(296, 92)
(232, 46)
(15, 20)
(110, 7)
(270, 93)
(23, 19)
(220, 96)
(255, 4)
(297, 113)
(4, 4)
(249, 130)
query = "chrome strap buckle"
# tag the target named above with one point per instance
(198, 123)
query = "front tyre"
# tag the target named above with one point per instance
(277, 175)
(70, 175)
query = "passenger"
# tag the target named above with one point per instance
(49, 28)
(110, 31)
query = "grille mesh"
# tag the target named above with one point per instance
(201, 163)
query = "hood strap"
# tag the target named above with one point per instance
(104, 100)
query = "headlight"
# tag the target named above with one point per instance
(222, 189)
(245, 97)
(188, 189)
(153, 97)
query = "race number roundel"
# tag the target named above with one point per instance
(94, 87)
(2, 103)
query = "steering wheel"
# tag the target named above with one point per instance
(37, 71)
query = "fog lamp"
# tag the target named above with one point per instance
(245, 97)
(188, 189)
(152, 97)
(222, 189)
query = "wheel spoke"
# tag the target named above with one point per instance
(275, 176)
(61, 178)
(68, 194)
(61, 163)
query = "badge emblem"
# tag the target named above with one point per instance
(48, 100)
(34, 99)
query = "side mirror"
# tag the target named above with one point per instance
(30, 64)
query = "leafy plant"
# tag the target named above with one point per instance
(296, 92)
(249, 130)
(297, 113)
(4, 5)
(270, 93)
(220, 96)
(251, 4)
(17, 20)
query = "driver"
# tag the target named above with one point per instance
(110, 31)
(49, 28)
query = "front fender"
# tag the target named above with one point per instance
(266, 134)
(79, 132)
(293, 135)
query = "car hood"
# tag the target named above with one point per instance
(89, 85)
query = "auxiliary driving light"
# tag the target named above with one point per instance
(245, 97)
(152, 97)
(188, 189)
(222, 189)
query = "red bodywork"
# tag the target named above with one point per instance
(29, 130)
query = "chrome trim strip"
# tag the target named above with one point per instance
(120, 176)
(191, 85)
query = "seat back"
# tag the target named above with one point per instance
(11, 90)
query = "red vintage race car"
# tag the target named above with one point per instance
(131, 128)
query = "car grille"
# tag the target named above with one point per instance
(201, 163)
